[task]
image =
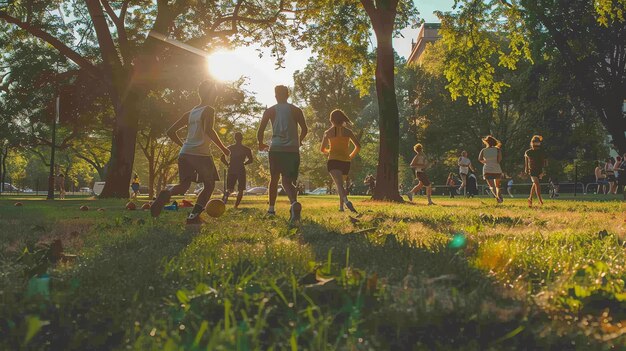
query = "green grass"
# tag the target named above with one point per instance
(514, 277)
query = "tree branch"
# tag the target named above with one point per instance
(56, 43)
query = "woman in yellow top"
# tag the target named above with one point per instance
(336, 144)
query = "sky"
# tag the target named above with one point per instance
(263, 75)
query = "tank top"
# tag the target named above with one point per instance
(339, 146)
(490, 155)
(284, 129)
(464, 163)
(197, 143)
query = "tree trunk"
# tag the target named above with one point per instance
(5, 153)
(615, 123)
(151, 176)
(120, 166)
(388, 120)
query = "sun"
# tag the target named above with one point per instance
(226, 66)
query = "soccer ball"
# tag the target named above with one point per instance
(131, 206)
(215, 208)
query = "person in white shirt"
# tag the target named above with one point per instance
(509, 187)
(465, 165)
(490, 157)
(420, 164)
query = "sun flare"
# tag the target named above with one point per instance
(226, 66)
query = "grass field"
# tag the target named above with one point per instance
(465, 274)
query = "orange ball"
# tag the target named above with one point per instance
(18, 204)
(131, 206)
(145, 206)
(215, 208)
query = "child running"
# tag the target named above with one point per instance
(420, 164)
(490, 157)
(336, 144)
(465, 165)
(240, 156)
(195, 163)
(534, 161)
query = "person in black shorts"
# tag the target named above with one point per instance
(284, 150)
(240, 157)
(535, 160)
(195, 163)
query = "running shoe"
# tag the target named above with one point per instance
(159, 203)
(410, 196)
(296, 210)
(194, 218)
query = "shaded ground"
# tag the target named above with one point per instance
(465, 274)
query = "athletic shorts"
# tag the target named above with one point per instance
(135, 187)
(423, 178)
(610, 178)
(239, 178)
(287, 164)
(492, 176)
(196, 168)
(343, 166)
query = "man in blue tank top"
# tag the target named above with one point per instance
(195, 161)
(284, 150)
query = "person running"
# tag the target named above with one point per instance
(61, 185)
(240, 157)
(370, 181)
(195, 163)
(419, 165)
(609, 170)
(134, 185)
(600, 178)
(284, 150)
(336, 144)
(534, 162)
(490, 157)
(465, 165)
(451, 184)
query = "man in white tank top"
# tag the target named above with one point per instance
(284, 150)
(195, 161)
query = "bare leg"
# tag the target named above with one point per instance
(429, 192)
(463, 184)
(490, 183)
(205, 194)
(273, 189)
(538, 190)
(290, 189)
(417, 188)
(239, 197)
(181, 189)
(497, 184)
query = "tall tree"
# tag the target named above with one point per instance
(341, 32)
(126, 62)
(587, 37)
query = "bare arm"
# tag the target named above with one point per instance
(249, 157)
(261, 132)
(209, 128)
(323, 147)
(180, 123)
(526, 164)
(499, 155)
(224, 161)
(481, 158)
(414, 162)
(304, 130)
(357, 144)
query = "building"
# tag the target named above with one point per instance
(428, 33)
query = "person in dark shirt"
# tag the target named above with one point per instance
(240, 156)
(534, 161)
